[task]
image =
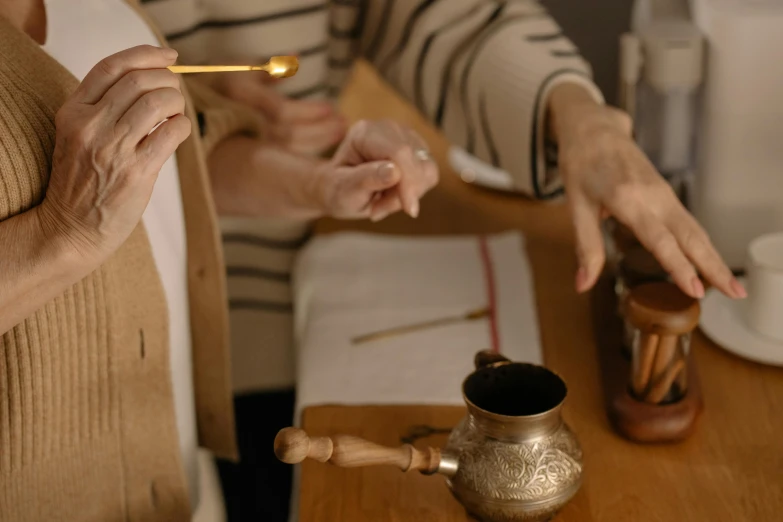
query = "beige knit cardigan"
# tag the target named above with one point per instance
(87, 426)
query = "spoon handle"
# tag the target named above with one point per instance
(276, 67)
(293, 445)
(192, 69)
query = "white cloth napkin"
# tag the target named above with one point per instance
(351, 284)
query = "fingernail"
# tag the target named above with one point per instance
(385, 172)
(170, 53)
(378, 217)
(581, 279)
(698, 288)
(413, 211)
(738, 290)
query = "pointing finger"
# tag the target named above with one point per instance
(589, 241)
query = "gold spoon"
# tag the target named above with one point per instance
(276, 67)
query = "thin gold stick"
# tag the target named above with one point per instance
(400, 330)
(277, 67)
(190, 69)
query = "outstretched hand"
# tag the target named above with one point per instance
(606, 174)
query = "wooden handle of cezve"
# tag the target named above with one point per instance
(293, 446)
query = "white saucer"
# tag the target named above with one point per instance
(723, 321)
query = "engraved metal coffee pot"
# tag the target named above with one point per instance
(511, 459)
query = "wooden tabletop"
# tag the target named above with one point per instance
(730, 470)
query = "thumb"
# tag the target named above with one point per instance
(371, 177)
(591, 255)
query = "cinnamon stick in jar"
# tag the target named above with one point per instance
(667, 351)
(682, 378)
(661, 388)
(663, 317)
(648, 347)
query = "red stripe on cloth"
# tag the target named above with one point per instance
(489, 279)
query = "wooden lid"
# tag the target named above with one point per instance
(662, 308)
(638, 266)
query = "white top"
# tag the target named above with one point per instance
(81, 33)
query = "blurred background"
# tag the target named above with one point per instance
(595, 27)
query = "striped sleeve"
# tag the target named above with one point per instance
(481, 70)
(250, 31)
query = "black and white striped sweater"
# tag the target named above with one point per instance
(478, 69)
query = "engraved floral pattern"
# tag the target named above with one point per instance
(534, 471)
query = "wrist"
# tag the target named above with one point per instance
(317, 189)
(301, 182)
(253, 179)
(567, 106)
(35, 266)
(53, 243)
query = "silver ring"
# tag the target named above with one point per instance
(423, 155)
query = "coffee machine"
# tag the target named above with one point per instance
(704, 82)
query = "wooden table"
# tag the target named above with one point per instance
(730, 470)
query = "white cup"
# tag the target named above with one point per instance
(764, 307)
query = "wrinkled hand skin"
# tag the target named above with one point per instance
(376, 172)
(606, 174)
(105, 161)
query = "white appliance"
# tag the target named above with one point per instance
(734, 48)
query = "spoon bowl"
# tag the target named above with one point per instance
(282, 66)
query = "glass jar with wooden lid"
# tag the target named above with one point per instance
(637, 267)
(661, 318)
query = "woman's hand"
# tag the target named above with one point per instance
(105, 160)
(380, 168)
(605, 173)
(301, 126)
